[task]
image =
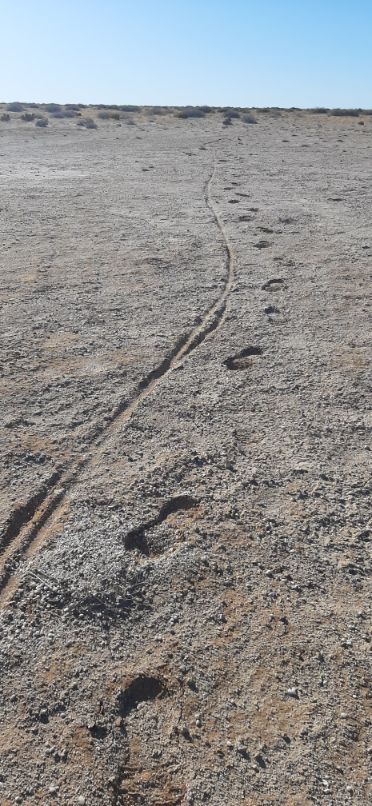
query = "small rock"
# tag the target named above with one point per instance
(241, 748)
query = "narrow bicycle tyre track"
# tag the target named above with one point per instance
(37, 526)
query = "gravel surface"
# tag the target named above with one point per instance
(184, 549)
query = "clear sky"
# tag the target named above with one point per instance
(218, 52)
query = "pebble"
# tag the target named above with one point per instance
(81, 800)
(292, 692)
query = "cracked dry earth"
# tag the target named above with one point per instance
(184, 478)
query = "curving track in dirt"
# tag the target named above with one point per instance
(30, 526)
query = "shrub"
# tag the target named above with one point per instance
(191, 112)
(249, 118)
(66, 113)
(227, 121)
(42, 123)
(28, 117)
(156, 110)
(109, 107)
(129, 108)
(231, 113)
(87, 123)
(5, 117)
(350, 113)
(72, 107)
(107, 115)
(14, 107)
(53, 107)
(320, 110)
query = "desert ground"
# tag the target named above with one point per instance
(184, 481)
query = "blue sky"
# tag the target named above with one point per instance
(218, 52)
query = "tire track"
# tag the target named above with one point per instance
(36, 523)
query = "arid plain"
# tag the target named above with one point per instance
(185, 463)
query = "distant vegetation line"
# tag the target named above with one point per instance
(188, 110)
(87, 115)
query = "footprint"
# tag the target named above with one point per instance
(137, 538)
(262, 244)
(271, 310)
(272, 313)
(140, 689)
(275, 284)
(234, 201)
(243, 360)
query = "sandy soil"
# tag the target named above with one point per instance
(185, 462)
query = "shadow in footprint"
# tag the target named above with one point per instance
(137, 538)
(243, 360)
(272, 313)
(271, 310)
(262, 244)
(276, 284)
(142, 689)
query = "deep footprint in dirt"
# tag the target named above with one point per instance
(277, 284)
(245, 359)
(273, 313)
(262, 244)
(141, 689)
(137, 538)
